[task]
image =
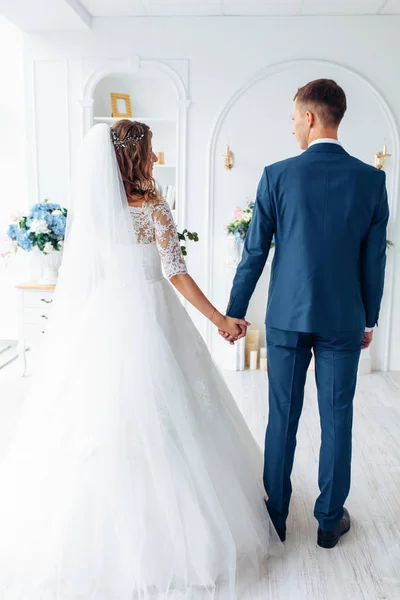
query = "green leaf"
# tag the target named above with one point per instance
(193, 237)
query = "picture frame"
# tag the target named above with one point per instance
(119, 101)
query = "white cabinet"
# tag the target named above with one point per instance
(35, 302)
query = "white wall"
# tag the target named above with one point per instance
(13, 194)
(223, 54)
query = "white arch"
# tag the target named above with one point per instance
(393, 192)
(131, 66)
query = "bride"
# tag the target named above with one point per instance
(132, 474)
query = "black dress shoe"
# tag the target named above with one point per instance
(329, 539)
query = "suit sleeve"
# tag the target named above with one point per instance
(373, 258)
(256, 249)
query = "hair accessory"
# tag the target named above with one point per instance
(118, 143)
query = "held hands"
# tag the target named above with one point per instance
(233, 329)
(241, 325)
(229, 328)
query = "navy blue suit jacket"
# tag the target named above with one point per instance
(328, 213)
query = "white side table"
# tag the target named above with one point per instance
(35, 302)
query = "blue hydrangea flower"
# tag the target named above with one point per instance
(23, 240)
(12, 232)
(39, 207)
(46, 206)
(41, 211)
(58, 225)
(37, 214)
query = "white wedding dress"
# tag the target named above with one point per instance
(132, 474)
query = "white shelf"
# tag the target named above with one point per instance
(154, 102)
(141, 119)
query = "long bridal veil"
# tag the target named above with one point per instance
(114, 485)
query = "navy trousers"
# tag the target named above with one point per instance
(336, 362)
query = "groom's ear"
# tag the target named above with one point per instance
(310, 116)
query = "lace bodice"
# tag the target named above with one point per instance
(155, 223)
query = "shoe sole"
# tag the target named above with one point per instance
(332, 543)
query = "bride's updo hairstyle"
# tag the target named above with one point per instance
(132, 143)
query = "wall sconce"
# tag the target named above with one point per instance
(228, 159)
(380, 158)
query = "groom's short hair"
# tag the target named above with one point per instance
(326, 97)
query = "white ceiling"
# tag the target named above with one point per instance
(171, 8)
(40, 15)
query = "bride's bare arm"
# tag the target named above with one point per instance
(189, 289)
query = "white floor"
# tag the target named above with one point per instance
(366, 563)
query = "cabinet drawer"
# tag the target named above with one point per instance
(36, 315)
(33, 334)
(41, 298)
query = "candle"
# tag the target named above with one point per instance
(253, 336)
(252, 343)
(248, 350)
(253, 360)
(263, 364)
(263, 353)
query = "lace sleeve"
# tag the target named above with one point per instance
(167, 240)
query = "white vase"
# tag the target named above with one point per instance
(235, 251)
(50, 263)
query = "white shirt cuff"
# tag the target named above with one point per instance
(369, 329)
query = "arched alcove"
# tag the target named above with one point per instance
(158, 98)
(256, 123)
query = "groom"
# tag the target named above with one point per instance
(328, 212)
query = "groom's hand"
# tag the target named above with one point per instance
(368, 335)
